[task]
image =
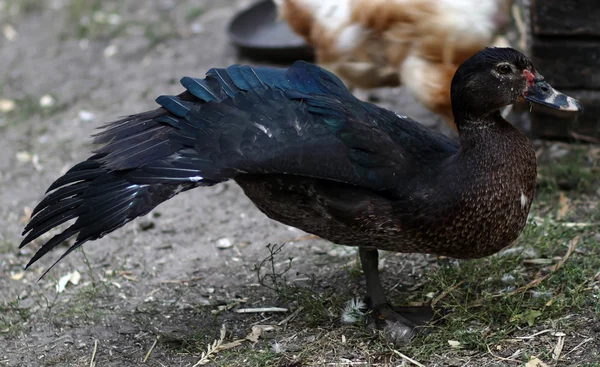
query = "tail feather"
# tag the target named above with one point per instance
(101, 200)
(74, 176)
(60, 194)
(127, 126)
(58, 208)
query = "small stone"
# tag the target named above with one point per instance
(84, 44)
(557, 151)
(197, 28)
(110, 51)
(86, 116)
(113, 19)
(47, 101)
(6, 105)
(224, 243)
(455, 362)
(342, 251)
(146, 225)
(9, 32)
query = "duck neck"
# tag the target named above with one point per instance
(483, 130)
(494, 144)
(467, 121)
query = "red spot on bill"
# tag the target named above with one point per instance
(530, 77)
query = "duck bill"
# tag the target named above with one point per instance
(542, 93)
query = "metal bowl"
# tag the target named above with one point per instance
(259, 34)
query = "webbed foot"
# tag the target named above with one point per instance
(399, 324)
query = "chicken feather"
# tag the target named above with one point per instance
(416, 43)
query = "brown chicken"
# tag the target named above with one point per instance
(416, 43)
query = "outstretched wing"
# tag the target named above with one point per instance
(298, 121)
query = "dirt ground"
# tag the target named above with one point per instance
(157, 291)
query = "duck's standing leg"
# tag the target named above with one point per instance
(369, 259)
(397, 328)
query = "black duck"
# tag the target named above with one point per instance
(312, 156)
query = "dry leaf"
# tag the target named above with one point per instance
(454, 343)
(24, 157)
(563, 208)
(230, 345)
(17, 276)
(27, 211)
(535, 362)
(257, 331)
(75, 278)
(72, 278)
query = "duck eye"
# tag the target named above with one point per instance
(503, 68)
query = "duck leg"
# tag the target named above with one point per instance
(398, 328)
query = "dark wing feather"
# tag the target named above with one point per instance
(298, 121)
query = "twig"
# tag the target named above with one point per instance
(501, 358)
(151, 349)
(261, 309)
(177, 281)
(578, 346)
(533, 335)
(559, 347)
(417, 286)
(278, 279)
(87, 263)
(304, 238)
(92, 361)
(405, 357)
(589, 139)
(290, 317)
(446, 292)
(565, 224)
(211, 348)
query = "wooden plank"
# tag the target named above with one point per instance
(552, 125)
(566, 17)
(568, 64)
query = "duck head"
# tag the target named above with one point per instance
(498, 77)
